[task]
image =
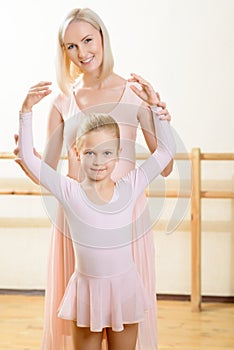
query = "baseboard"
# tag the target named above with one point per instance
(22, 292)
(205, 298)
(174, 297)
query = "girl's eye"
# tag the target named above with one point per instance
(89, 153)
(108, 153)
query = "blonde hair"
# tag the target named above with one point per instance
(97, 122)
(67, 72)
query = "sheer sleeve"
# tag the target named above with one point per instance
(142, 176)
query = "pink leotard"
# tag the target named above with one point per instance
(105, 289)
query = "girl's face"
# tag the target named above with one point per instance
(83, 44)
(98, 154)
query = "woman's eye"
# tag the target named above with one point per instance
(87, 40)
(70, 47)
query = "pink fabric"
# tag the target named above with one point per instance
(61, 263)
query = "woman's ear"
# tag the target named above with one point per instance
(77, 154)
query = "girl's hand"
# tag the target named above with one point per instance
(148, 95)
(36, 94)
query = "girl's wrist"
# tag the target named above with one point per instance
(25, 114)
(155, 107)
(26, 109)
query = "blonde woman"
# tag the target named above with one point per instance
(88, 84)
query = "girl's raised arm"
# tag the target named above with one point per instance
(150, 97)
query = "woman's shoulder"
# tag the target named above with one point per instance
(61, 101)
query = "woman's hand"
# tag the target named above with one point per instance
(36, 94)
(149, 96)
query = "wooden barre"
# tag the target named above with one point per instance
(24, 193)
(160, 225)
(178, 156)
(150, 194)
(217, 156)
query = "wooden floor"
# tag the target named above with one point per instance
(21, 319)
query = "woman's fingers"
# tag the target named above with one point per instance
(136, 90)
(147, 92)
(41, 88)
(35, 94)
(149, 95)
(41, 84)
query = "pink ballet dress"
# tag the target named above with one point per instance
(105, 289)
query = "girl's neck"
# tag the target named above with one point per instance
(99, 192)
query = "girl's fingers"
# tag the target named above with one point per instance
(16, 137)
(164, 114)
(165, 117)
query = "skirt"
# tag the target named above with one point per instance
(100, 302)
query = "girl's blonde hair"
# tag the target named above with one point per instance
(67, 72)
(97, 122)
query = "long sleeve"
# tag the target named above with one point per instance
(47, 176)
(153, 166)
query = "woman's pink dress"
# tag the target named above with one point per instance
(61, 264)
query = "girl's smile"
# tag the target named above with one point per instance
(98, 155)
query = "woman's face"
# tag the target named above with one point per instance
(83, 44)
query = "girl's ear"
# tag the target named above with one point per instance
(77, 154)
(119, 152)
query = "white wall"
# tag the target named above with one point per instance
(186, 49)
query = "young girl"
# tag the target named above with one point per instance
(105, 290)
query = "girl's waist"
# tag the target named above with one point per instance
(103, 262)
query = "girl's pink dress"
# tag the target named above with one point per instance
(61, 264)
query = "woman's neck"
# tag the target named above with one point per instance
(92, 81)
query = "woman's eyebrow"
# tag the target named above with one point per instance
(85, 37)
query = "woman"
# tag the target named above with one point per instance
(88, 84)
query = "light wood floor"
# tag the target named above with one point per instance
(21, 319)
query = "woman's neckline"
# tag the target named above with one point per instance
(116, 104)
